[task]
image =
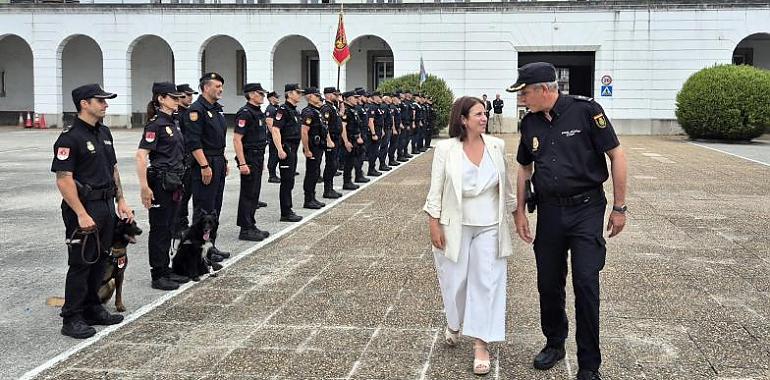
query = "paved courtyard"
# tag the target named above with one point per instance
(352, 294)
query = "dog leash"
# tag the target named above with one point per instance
(83, 241)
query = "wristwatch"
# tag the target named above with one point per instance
(621, 209)
(204, 166)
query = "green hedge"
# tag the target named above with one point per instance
(434, 87)
(725, 102)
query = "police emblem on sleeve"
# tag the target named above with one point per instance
(193, 116)
(90, 146)
(210, 115)
(308, 121)
(62, 153)
(169, 131)
(149, 136)
(279, 116)
(600, 120)
(241, 123)
(535, 144)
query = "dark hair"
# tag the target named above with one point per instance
(77, 106)
(153, 106)
(460, 108)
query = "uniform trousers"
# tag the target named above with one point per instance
(272, 158)
(332, 163)
(360, 156)
(251, 186)
(209, 197)
(312, 172)
(287, 167)
(372, 151)
(577, 229)
(387, 140)
(473, 288)
(184, 203)
(162, 213)
(393, 145)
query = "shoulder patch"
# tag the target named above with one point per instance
(62, 153)
(241, 123)
(66, 129)
(308, 121)
(193, 115)
(149, 136)
(600, 120)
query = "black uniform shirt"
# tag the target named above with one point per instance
(286, 120)
(87, 152)
(406, 113)
(418, 113)
(312, 118)
(497, 104)
(332, 118)
(180, 115)
(250, 123)
(568, 151)
(205, 127)
(163, 138)
(351, 120)
(396, 116)
(363, 119)
(374, 111)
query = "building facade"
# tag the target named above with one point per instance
(633, 56)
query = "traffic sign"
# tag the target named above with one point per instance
(606, 90)
(606, 80)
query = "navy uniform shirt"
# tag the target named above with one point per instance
(396, 116)
(497, 105)
(270, 114)
(406, 114)
(287, 121)
(163, 138)
(352, 123)
(374, 112)
(87, 152)
(250, 123)
(363, 119)
(180, 115)
(568, 152)
(332, 117)
(312, 118)
(417, 108)
(205, 127)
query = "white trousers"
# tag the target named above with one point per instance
(474, 287)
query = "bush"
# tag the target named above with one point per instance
(725, 102)
(434, 87)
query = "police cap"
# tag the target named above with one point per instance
(212, 76)
(312, 91)
(360, 91)
(347, 94)
(376, 93)
(531, 73)
(272, 94)
(330, 90)
(166, 88)
(184, 87)
(90, 91)
(292, 87)
(249, 87)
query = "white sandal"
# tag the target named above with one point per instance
(451, 337)
(482, 367)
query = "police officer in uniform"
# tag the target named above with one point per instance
(351, 139)
(407, 122)
(387, 131)
(286, 135)
(88, 179)
(395, 137)
(249, 140)
(161, 185)
(272, 158)
(331, 115)
(315, 140)
(375, 124)
(564, 141)
(181, 114)
(361, 102)
(206, 139)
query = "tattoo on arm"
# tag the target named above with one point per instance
(118, 186)
(63, 174)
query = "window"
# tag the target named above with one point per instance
(743, 56)
(310, 69)
(382, 70)
(240, 69)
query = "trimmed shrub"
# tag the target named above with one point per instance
(434, 87)
(725, 102)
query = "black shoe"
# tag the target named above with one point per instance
(385, 168)
(361, 180)
(178, 278)
(402, 159)
(261, 204)
(338, 173)
(312, 204)
(164, 283)
(319, 202)
(291, 218)
(393, 163)
(215, 258)
(373, 173)
(587, 374)
(331, 194)
(320, 180)
(215, 251)
(103, 318)
(77, 329)
(274, 179)
(408, 156)
(250, 235)
(548, 357)
(349, 186)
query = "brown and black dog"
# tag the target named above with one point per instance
(115, 267)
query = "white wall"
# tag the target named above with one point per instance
(151, 61)
(81, 63)
(220, 57)
(287, 62)
(16, 63)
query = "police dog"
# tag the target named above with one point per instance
(125, 234)
(191, 257)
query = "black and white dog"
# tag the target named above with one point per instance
(191, 257)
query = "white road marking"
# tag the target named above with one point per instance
(728, 153)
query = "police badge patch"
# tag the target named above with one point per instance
(169, 131)
(535, 144)
(210, 115)
(600, 120)
(241, 123)
(308, 121)
(149, 136)
(193, 116)
(63, 153)
(90, 146)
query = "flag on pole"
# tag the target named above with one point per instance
(423, 74)
(341, 49)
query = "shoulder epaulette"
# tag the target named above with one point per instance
(66, 129)
(583, 98)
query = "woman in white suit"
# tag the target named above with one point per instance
(468, 205)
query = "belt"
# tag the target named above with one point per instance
(100, 194)
(214, 152)
(571, 200)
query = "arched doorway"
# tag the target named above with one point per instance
(152, 60)
(16, 79)
(226, 56)
(753, 50)
(295, 60)
(81, 63)
(371, 62)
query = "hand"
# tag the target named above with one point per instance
(348, 146)
(375, 138)
(147, 197)
(359, 141)
(330, 144)
(522, 226)
(206, 175)
(125, 212)
(616, 223)
(244, 169)
(436, 234)
(85, 222)
(308, 153)
(281, 154)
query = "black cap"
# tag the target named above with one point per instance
(213, 76)
(166, 88)
(272, 94)
(292, 87)
(184, 87)
(348, 94)
(312, 91)
(408, 92)
(360, 91)
(249, 87)
(90, 91)
(535, 72)
(376, 93)
(330, 90)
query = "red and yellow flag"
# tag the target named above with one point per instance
(341, 49)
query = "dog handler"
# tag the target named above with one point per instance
(161, 182)
(88, 180)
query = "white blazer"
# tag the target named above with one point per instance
(445, 197)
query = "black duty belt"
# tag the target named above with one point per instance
(214, 152)
(571, 200)
(99, 194)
